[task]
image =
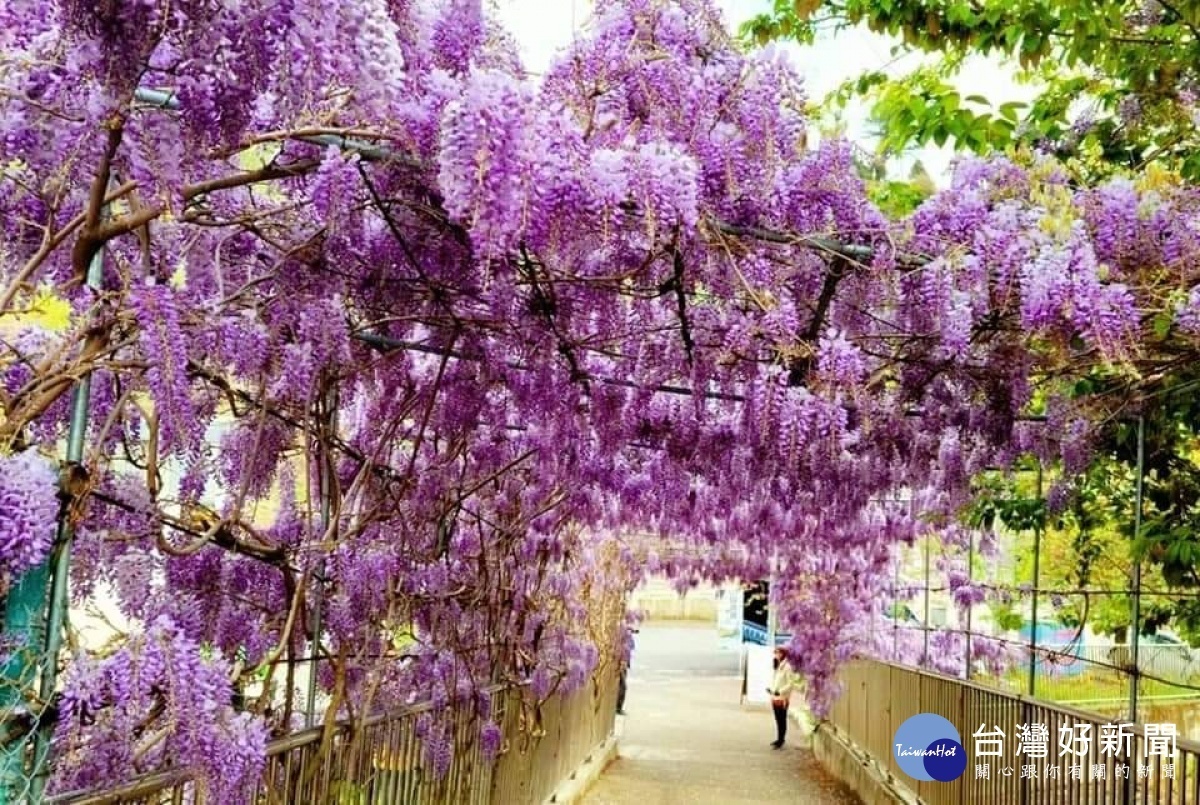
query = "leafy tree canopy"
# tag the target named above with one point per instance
(1131, 65)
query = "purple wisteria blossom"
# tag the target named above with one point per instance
(28, 513)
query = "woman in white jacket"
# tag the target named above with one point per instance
(781, 694)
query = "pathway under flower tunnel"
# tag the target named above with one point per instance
(687, 740)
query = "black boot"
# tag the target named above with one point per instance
(780, 725)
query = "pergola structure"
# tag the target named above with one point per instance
(463, 323)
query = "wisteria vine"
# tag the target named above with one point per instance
(425, 385)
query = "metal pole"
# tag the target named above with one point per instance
(329, 400)
(1136, 614)
(1136, 624)
(38, 632)
(772, 596)
(1037, 580)
(971, 604)
(895, 603)
(925, 656)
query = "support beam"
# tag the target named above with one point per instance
(326, 481)
(1135, 620)
(35, 615)
(925, 630)
(1135, 625)
(971, 605)
(1037, 572)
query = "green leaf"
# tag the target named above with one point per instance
(1000, 132)
(1162, 324)
(1009, 110)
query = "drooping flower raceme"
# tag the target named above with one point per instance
(28, 512)
(1187, 316)
(423, 337)
(102, 726)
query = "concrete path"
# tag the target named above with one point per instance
(687, 741)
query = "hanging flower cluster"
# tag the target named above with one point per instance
(28, 512)
(397, 339)
(157, 701)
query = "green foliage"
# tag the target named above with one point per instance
(896, 199)
(1186, 619)
(1171, 487)
(1093, 545)
(1114, 54)
(403, 639)
(1011, 502)
(1019, 514)
(923, 108)
(1086, 548)
(1006, 617)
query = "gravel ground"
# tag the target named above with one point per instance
(687, 741)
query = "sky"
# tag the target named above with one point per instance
(544, 27)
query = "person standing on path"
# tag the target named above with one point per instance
(781, 694)
(621, 685)
(621, 691)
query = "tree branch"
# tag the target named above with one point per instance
(685, 327)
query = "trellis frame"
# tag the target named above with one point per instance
(35, 609)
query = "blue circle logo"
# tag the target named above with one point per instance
(927, 747)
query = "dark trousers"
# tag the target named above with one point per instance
(621, 693)
(781, 717)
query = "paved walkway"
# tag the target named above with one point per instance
(687, 741)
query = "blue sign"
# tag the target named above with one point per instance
(753, 633)
(927, 747)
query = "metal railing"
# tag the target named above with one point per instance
(878, 697)
(381, 760)
(551, 743)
